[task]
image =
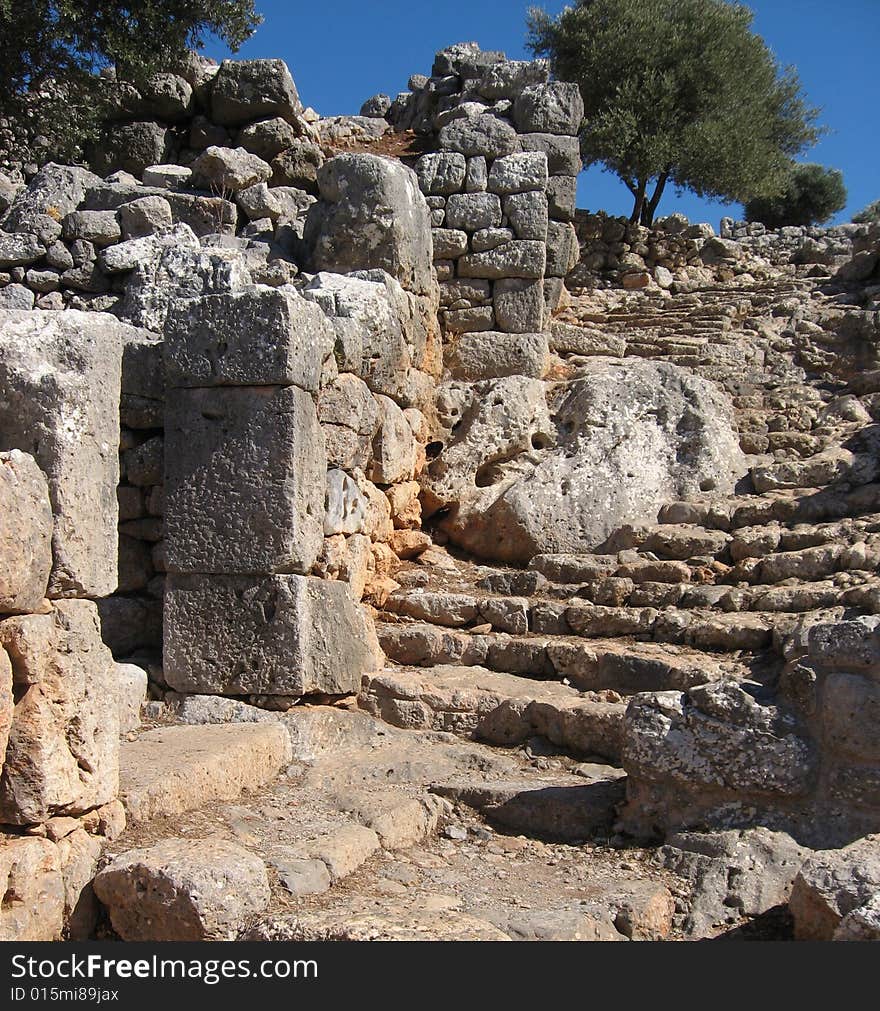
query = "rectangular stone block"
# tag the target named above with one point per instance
(257, 337)
(519, 305)
(59, 402)
(562, 197)
(513, 259)
(245, 476)
(492, 355)
(563, 250)
(563, 153)
(473, 211)
(25, 533)
(528, 215)
(63, 752)
(518, 173)
(272, 635)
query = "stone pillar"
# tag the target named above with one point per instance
(245, 487)
(501, 188)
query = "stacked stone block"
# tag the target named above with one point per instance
(59, 688)
(501, 189)
(245, 483)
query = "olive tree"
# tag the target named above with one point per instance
(678, 91)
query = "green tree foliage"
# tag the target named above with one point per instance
(811, 194)
(51, 52)
(679, 91)
(868, 215)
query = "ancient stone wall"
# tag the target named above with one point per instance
(616, 252)
(63, 699)
(501, 187)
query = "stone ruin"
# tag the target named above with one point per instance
(366, 505)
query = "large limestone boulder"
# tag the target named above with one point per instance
(60, 381)
(60, 188)
(832, 885)
(33, 890)
(176, 267)
(26, 533)
(183, 890)
(274, 635)
(63, 752)
(371, 215)
(245, 90)
(530, 467)
(257, 337)
(690, 755)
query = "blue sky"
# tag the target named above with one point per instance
(341, 52)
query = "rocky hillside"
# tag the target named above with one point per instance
(391, 551)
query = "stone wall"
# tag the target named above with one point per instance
(616, 252)
(63, 699)
(500, 183)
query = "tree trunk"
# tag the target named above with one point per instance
(640, 201)
(649, 209)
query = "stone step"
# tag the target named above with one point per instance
(600, 664)
(169, 770)
(560, 808)
(788, 506)
(496, 708)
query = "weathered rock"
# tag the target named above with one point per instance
(100, 227)
(494, 354)
(372, 215)
(381, 336)
(274, 635)
(519, 306)
(556, 108)
(473, 211)
(831, 885)
(267, 137)
(298, 166)
(520, 258)
(733, 873)
(167, 177)
(346, 509)
(226, 169)
(441, 172)
(62, 755)
(131, 682)
(262, 444)
(26, 534)
(534, 469)
(394, 447)
(253, 89)
(145, 216)
(563, 153)
(257, 337)
(518, 173)
(20, 249)
(180, 269)
(59, 401)
(862, 924)
(170, 770)
(700, 748)
(132, 147)
(60, 187)
(481, 135)
(183, 890)
(33, 890)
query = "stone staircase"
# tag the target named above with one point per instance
(713, 590)
(476, 789)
